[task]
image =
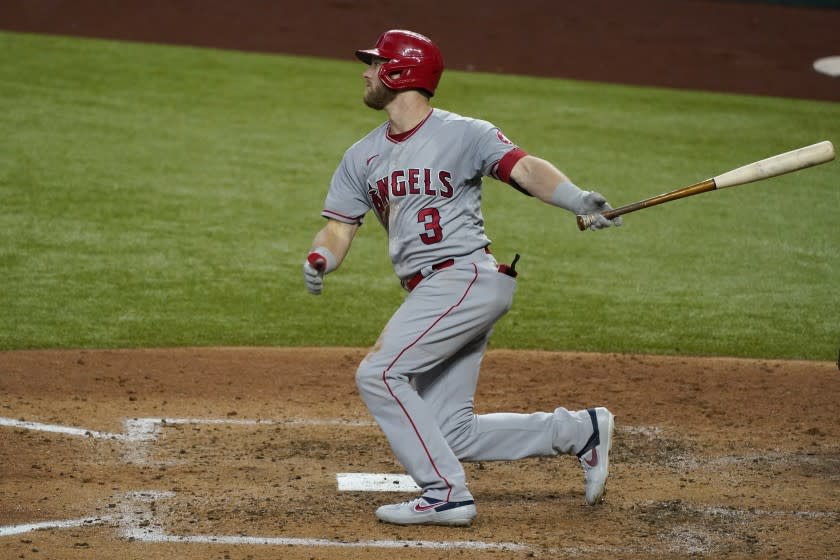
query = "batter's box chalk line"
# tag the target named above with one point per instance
(136, 522)
(139, 432)
(8, 530)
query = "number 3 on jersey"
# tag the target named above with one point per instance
(430, 218)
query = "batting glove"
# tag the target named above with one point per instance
(569, 196)
(594, 204)
(319, 262)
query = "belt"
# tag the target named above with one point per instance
(412, 282)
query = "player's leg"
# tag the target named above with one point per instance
(439, 317)
(449, 391)
(586, 433)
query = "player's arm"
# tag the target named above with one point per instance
(330, 246)
(543, 180)
(336, 237)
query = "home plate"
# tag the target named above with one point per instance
(375, 482)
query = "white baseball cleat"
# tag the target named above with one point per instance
(595, 456)
(428, 511)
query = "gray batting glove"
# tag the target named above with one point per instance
(570, 197)
(594, 204)
(313, 278)
(318, 262)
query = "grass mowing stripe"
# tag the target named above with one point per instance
(160, 196)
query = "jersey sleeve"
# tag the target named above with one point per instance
(347, 199)
(497, 154)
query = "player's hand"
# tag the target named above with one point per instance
(313, 278)
(318, 262)
(594, 204)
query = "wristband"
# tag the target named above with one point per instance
(568, 196)
(322, 256)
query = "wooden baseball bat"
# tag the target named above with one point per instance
(779, 164)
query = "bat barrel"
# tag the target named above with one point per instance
(779, 164)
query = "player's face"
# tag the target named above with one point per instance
(377, 95)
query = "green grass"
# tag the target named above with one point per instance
(163, 196)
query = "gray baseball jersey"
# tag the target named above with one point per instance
(420, 378)
(424, 186)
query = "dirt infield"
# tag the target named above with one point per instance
(236, 453)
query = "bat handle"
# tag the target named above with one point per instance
(585, 220)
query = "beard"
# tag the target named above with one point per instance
(379, 96)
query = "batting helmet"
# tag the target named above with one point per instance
(412, 60)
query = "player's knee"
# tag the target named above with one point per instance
(369, 380)
(460, 434)
(363, 377)
(376, 382)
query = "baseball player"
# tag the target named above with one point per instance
(421, 175)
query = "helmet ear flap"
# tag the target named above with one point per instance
(395, 75)
(390, 76)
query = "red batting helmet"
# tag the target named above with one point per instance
(417, 60)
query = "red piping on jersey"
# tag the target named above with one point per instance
(403, 136)
(342, 217)
(399, 402)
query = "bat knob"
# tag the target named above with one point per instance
(582, 222)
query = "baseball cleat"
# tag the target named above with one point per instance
(595, 456)
(428, 511)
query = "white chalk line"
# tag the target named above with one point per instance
(156, 537)
(8, 530)
(135, 526)
(138, 524)
(55, 428)
(144, 429)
